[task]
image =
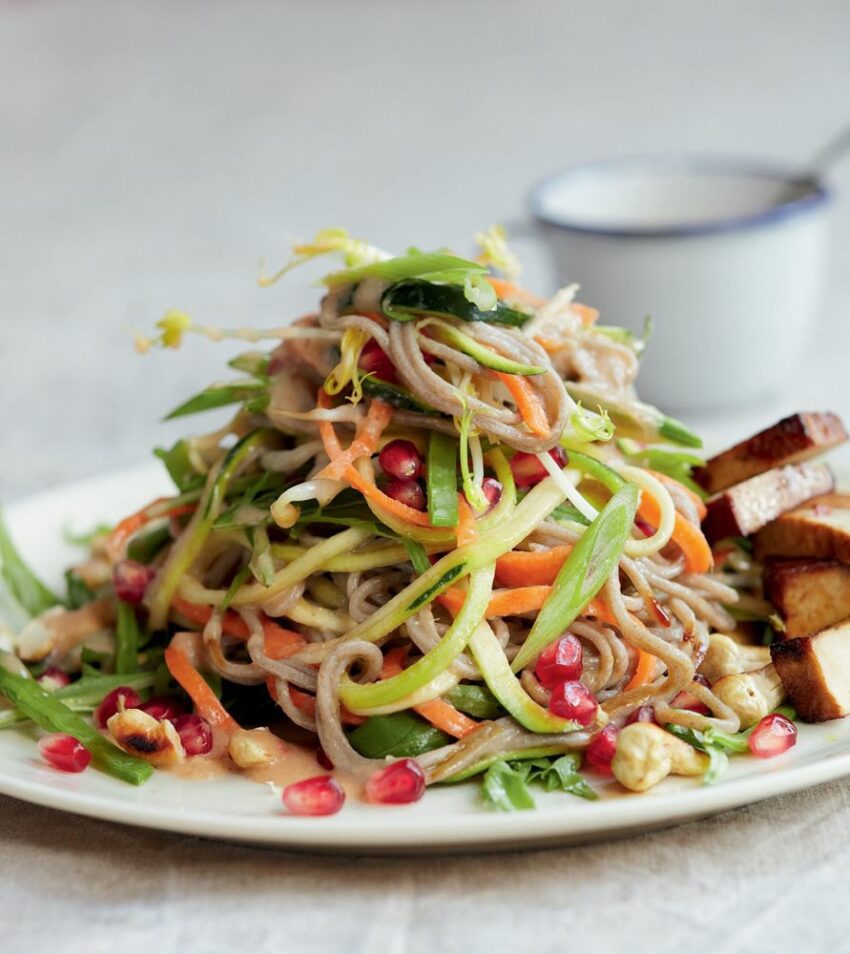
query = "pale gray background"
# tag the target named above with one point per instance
(150, 153)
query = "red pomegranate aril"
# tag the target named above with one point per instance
(407, 492)
(561, 661)
(195, 734)
(399, 783)
(645, 528)
(54, 678)
(686, 700)
(130, 579)
(401, 459)
(374, 360)
(492, 490)
(321, 795)
(162, 707)
(574, 701)
(64, 752)
(774, 735)
(323, 760)
(642, 714)
(600, 753)
(128, 697)
(528, 469)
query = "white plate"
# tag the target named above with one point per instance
(446, 819)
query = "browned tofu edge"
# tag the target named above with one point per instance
(809, 595)
(790, 441)
(751, 505)
(799, 668)
(793, 534)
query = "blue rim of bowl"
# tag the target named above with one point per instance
(817, 195)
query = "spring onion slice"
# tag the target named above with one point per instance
(442, 480)
(490, 657)
(583, 574)
(126, 639)
(364, 698)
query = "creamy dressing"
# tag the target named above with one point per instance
(288, 763)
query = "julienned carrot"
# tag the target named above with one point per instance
(279, 642)
(528, 404)
(307, 703)
(366, 487)
(131, 525)
(695, 498)
(587, 314)
(530, 567)
(467, 529)
(522, 599)
(508, 291)
(206, 703)
(686, 536)
(365, 442)
(644, 670)
(441, 714)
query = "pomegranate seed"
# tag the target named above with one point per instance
(408, 492)
(559, 662)
(401, 459)
(130, 579)
(64, 752)
(195, 734)
(162, 707)
(602, 749)
(374, 360)
(128, 697)
(323, 760)
(685, 700)
(397, 784)
(645, 528)
(774, 735)
(492, 491)
(54, 678)
(528, 470)
(642, 714)
(574, 701)
(321, 795)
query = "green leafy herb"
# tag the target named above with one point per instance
(505, 788)
(347, 509)
(27, 589)
(399, 734)
(476, 701)
(179, 467)
(79, 592)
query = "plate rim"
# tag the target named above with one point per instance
(623, 814)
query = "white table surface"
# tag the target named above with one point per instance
(149, 155)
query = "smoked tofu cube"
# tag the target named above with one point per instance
(820, 529)
(751, 505)
(815, 671)
(809, 595)
(792, 441)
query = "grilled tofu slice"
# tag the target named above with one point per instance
(820, 529)
(751, 505)
(815, 671)
(809, 595)
(792, 441)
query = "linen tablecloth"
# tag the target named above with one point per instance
(149, 153)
